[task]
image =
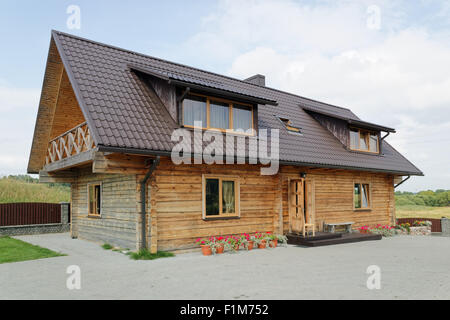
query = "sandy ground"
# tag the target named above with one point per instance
(411, 268)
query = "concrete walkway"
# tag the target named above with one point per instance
(411, 268)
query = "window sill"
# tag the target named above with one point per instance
(233, 133)
(362, 209)
(92, 216)
(220, 218)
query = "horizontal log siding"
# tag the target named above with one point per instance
(177, 193)
(334, 196)
(119, 214)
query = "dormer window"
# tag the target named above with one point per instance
(216, 113)
(364, 140)
(289, 125)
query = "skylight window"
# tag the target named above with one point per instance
(289, 125)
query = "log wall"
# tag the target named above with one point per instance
(334, 196)
(119, 215)
(177, 199)
(174, 203)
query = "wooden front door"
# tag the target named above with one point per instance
(296, 205)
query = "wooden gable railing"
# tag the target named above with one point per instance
(70, 143)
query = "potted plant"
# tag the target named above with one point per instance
(219, 245)
(232, 243)
(364, 229)
(247, 241)
(205, 244)
(260, 239)
(272, 239)
(282, 239)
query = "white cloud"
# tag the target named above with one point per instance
(399, 76)
(18, 107)
(12, 98)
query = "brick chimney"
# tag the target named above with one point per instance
(257, 79)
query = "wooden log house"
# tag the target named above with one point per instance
(104, 125)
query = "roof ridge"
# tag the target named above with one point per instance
(193, 68)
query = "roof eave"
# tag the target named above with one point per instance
(207, 89)
(102, 148)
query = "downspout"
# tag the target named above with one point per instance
(401, 182)
(385, 136)
(143, 198)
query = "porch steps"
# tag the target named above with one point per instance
(327, 239)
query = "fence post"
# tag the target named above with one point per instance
(445, 226)
(65, 211)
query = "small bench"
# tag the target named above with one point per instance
(331, 227)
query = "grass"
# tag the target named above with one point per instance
(13, 250)
(13, 191)
(107, 246)
(146, 255)
(415, 211)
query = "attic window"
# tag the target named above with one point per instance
(217, 113)
(364, 140)
(289, 125)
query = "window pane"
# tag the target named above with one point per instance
(354, 137)
(373, 143)
(363, 141)
(357, 195)
(98, 200)
(242, 117)
(212, 197)
(91, 200)
(365, 196)
(228, 197)
(219, 115)
(194, 109)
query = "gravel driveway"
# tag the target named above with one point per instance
(411, 268)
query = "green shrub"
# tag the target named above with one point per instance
(107, 246)
(144, 254)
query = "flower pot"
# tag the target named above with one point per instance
(206, 250)
(236, 247)
(273, 243)
(220, 249)
(262, 245)
(364, 231)
(250, 245)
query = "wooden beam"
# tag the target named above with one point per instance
(74, 161)
(60, 177)
(120, 163)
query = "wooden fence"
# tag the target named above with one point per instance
(435, 227)
(19, 214)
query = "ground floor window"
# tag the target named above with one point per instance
(361, 196)
(94, 199)
(220, 196)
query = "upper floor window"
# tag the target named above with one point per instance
(216, 113)
(363, 140)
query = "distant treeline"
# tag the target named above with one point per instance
(29, 179)
(438, 198)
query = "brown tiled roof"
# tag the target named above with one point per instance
(124, 113)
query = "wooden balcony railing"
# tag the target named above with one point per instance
(70, 143)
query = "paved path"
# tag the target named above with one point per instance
(411, 268)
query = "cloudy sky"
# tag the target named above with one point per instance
(388, 61)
